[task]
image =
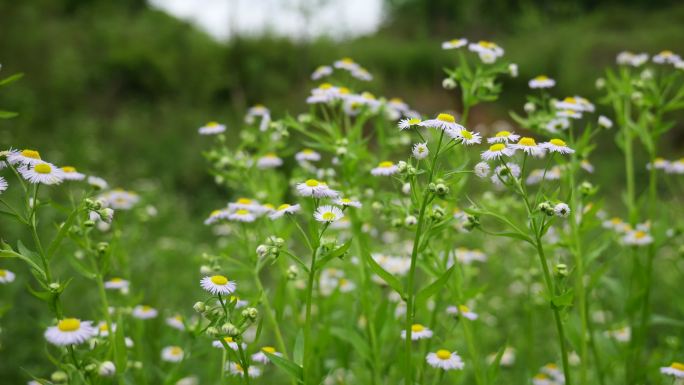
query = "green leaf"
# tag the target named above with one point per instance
(298, 353)
(120, 351)
(563, 300)
(495, 365)
(334, 254)
(7, 114)
(353, 338)
(11, 79)
(7, 252)
(61, 233)
(391, 280)
(295, 371)
(431, 289)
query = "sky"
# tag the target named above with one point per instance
(298, 19)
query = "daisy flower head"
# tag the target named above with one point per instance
(361, 74)
(269, 160)
(315, 188)
(420, 151)
(529, 146)
(172, 354)
(487, 51)
(569, 114)
(542, 379)
(667, 57)
(557, 124)
(675, 167)
(561, 210)
(418, 332)
(346, 63)
(541, 81)
(217, 215)
(228, 341)
(676, 369)
(496, 151)
(28, 157)
(444, 359)
(144, 312)
(176, 322)
(212, 128)
(241, 215)
(385, 168)
(407, 123)
(261, 356)
(631, 59)
(237, 370)
(3, 184)
(658, 164)
(587, 166)
(328, 214)
(103, 328)
(321, 72)
(465, 137)
(463, 311)
(637, 238)
(482, 169)
(97, 182)
(605, 122)
(116, 283)
(503, 173)
(557, 145)
(70, 331)
(120, 199)
(454, 43)
(513, 70)
(347, 202)
(445, 122)
(308, 155)
(6, 276)
(503, 137)
(70, 173)
(218, 284)
(575, 103)
(42, 173)
(283, 209)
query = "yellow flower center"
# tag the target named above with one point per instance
(104, 327)
(344, 90)
(486, 44)
(385, 164)
(268, 349)
(325, 86)
(69, 325)
(345, 200)
(176, 351)
(616, 221)
(396, 100)
(467, 134)
(267, 206)
(667, 52)
(68, 169)
(497, 147)
(639, 234)
(244, 201)
(463, 309)
(31, 154)
(446, 118)
(270, 155)
(540, 376)
(455, 41)
(414, 121)
(677, 365)
(551, 366)
(307, 151)
(3, 273)
(212, 124)
(541, 78)
(146, 308)
(368, 95)
(228, 339)
(43, 168)
(557, 142)
(503, 134)
(219, 279)
(529, 142)
(570, 100)
(242, 212)
(312, 183)
(283, 206)
(443, 354)
(328, 216)
(417, 328)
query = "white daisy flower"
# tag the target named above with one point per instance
(557, 145)
(675, 167)
(621, 335)
(42, 173)
(444, 122)
(385, 168)
(258, 111)
(420, 151)
(418, 332)
(556, 124)
(465, 137)
(283, 209)
(637, 238)
(269, 160)
(245, 204)
(503, 173)
(176, 322)
(27, 157)
(405, 124)
(261, 356)
(569, 114)
(103, 328)
(631, 59)
(667, 57)
(676, 369)
(487, 50)
(658, 164)
(326, 93)
(321, 72)
(553, 371)
(482, 169)
(346, 202)
(444, 359)
(398, 105)
(463, 311)
(70, 331)
(575, 103)
(497, 151)
(6, 276)
(316, 189)
(605, 122)
(229, 341)
(529, 146)
(361, 74)
(237, 370)
(503, 137)
(542, 81)
(346, 64)
(120, 199)
(70, 173)
(454, 43)
(212, 128)
(542, 379)
(586, 166)
(538, 175)
(307, 154)
(172, 354)
(97, 182)
(328, 214)
(3, 184)
(218, 284)
(144, 312)
(217, 215)
(241, 215)
(561, 210)
(116, 283)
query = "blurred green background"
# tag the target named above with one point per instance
(118, 89)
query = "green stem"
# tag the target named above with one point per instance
(307, 320)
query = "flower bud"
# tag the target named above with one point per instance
(250, 313)
(213, 331)
(90, 368)
(230, 329)
(529, 107)
(200, 307)
(546, 208)
(59, 376)
(206, 270)
(449, 84)
(292, 272)
(410, 220)
(262, 251)
(102, 248)
(560, 270)
(106, 369)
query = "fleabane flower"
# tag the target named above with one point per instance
(528, 146)
(283, 209)
(420, 151)
(42, 173)
(218, 284)
(482, 169)
(569, 114)
(631, 59)
(385, 168)
(116, 283)
(237, 370)
(463, 311)
(676, 369)
(605, 122)
(465, 137)
(346, 63)
(144, 312)
(487, 51)
(321, 72)
(70, 331)
(328, 214)
(454, 43)
(307, 154)
(444, 359)
(497, 151)
(241, 215)
(29, 157)
(6, 276)
(503, 137)
(666, 57)
(176, 322)
(405, 124)
(97, 182)
(3, 184)
(346, 202)
(172, 354)
(216, 216)
(557, 145)
(575, 103)
(70, 173)
(259, 110)
(556, 124)
(541, 81)
(261, 356)
(444, 122)
(212, 128)
(228, 341)
(418, 332)
(561, 210)
(269, 160)
(637, 238)
(316, 189)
